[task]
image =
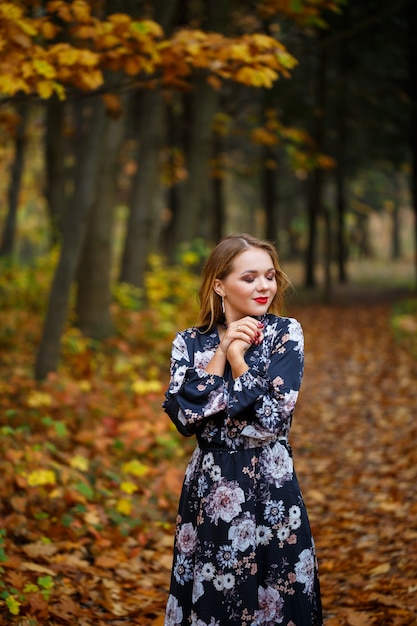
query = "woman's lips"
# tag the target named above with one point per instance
(262, 300)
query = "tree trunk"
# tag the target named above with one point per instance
(143, 217)
(94, 272)
(269, 191)
(76, 223)
(340, 174)
(341, 254)
(412, 15)
(395, 232)
(9, 232)
(327, 255)
(143, 208)
(316, 186)
(55, 167)
(194, 192)
(199, 150)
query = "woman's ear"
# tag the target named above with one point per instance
(217, 286)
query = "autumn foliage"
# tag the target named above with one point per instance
(34, 60)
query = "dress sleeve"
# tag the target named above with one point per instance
(192, 395)
(272, 388)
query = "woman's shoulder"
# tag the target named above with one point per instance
(197, 334)
(281, 323)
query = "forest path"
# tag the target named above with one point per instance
(354, 439)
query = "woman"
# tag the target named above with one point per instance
(243, 554)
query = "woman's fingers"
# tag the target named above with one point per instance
(248, 329)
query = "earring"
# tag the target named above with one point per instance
(223, 307)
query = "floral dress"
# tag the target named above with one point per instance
(243, 554)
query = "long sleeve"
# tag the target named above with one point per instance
(271, 385)
(193, 395)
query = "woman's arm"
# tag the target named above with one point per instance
(272, 391)
(194, 394)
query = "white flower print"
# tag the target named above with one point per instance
(304, 570)
(276, 464)
(198, 588)
(242, 533)
(263, 535)
(228, 581)
(296, 334)
(207, 571)
(224, 501)
(295, 522)
(216, 402)
(174, 612)
(192, 466)
(294, 511)
(202, 486)
(226, 556)
(218, 582)
(187, 539)
(183, 569)
(283, 532)
(208, 461)
(268, 413)
(180, 349)
(237, 384)
(271, 605)
(201, 359)
(289, 401)
(177, 378)
(195, 621)
(274, 511)
(216, 473)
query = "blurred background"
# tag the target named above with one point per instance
(138, 130)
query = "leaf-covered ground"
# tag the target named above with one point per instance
(91, 471)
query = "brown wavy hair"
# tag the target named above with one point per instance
(219, 265)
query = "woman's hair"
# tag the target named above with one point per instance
(219, 265)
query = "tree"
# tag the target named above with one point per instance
(9, 233)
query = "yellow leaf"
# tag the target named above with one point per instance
(27, 27)
(79, 462)
(84, 385)
(44, 89)
(142, 387)
(49, 30)
(128, 487)
(10, 11)
(13, 605)
(135, 467)
(37, 399)
(41, 477)
(124, 506)
(81, 10)
(240, 51)
(44, 68)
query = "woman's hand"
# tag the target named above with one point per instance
(243, 333)
(237, 339)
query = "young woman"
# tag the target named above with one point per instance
(243, 554)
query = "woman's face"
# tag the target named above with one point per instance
(251, 285)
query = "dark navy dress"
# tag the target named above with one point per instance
(243, 554)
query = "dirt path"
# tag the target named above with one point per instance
(354, 439)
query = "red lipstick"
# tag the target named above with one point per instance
(262, 300)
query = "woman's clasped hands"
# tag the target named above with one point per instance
(240, 335)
